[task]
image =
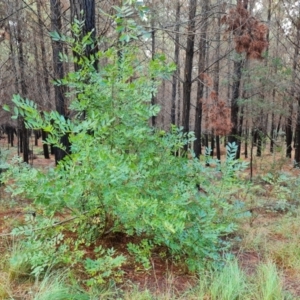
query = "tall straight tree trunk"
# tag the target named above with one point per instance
(242, 110)
(40, 88)
(246, 139)
(295, 71)
(212, 144)
(262, 128)
(24, 131)
(289, 129)
(153, 98)
(13, 37)
(200, 85)
(216, 75)
(176, 61)
(43, 54)
(57, 48)
(163, 85)
(237, 75)
(45, 72)
(178, 98)
(237, 69)
(273, 128)
(188, 69)
(289, 132)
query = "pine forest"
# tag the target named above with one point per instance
(150, 149)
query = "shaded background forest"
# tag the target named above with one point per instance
(237, 63)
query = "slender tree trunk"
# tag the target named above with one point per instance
(13, 37)
(246, 139)
(176, 61)
(212, 144)
(200, 85)
(24, 131)
(163, 86)
(40, 88)
(242, 110)
(259, 141)
(217, 74)
(178, 98)
(57, 48)
(45, 146)
(262, 128)
(295, 70)
(237, 71)
(153, 98)
(289, 129)
(188, 69)
(289, 133)
(45, 72)
(218, 147)
(43, 54)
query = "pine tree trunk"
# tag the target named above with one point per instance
(153, 98)
(237, 69)
(188, 69)
(176, 61)
(217, 74)
(297, 129)
(43, 54)
(57, 48)
(237, 75)
(178, 99)
(45, 146)
(200, 86)
(24, 131)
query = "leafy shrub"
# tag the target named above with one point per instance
(121, 175)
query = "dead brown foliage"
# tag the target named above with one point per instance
(249, 33)
(216, 115)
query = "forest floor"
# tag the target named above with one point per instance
(270, 234)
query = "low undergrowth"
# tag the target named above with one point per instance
(268, 235)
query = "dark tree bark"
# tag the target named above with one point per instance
(45, 71)
(188, 69)
(296, 70)
(237, 69)
(178, 99)
(10, 131)
(246, 139)
(24, 131)
(45, 146)
(84, 11)
(212, 144)
(57, 48)
(289, 133)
